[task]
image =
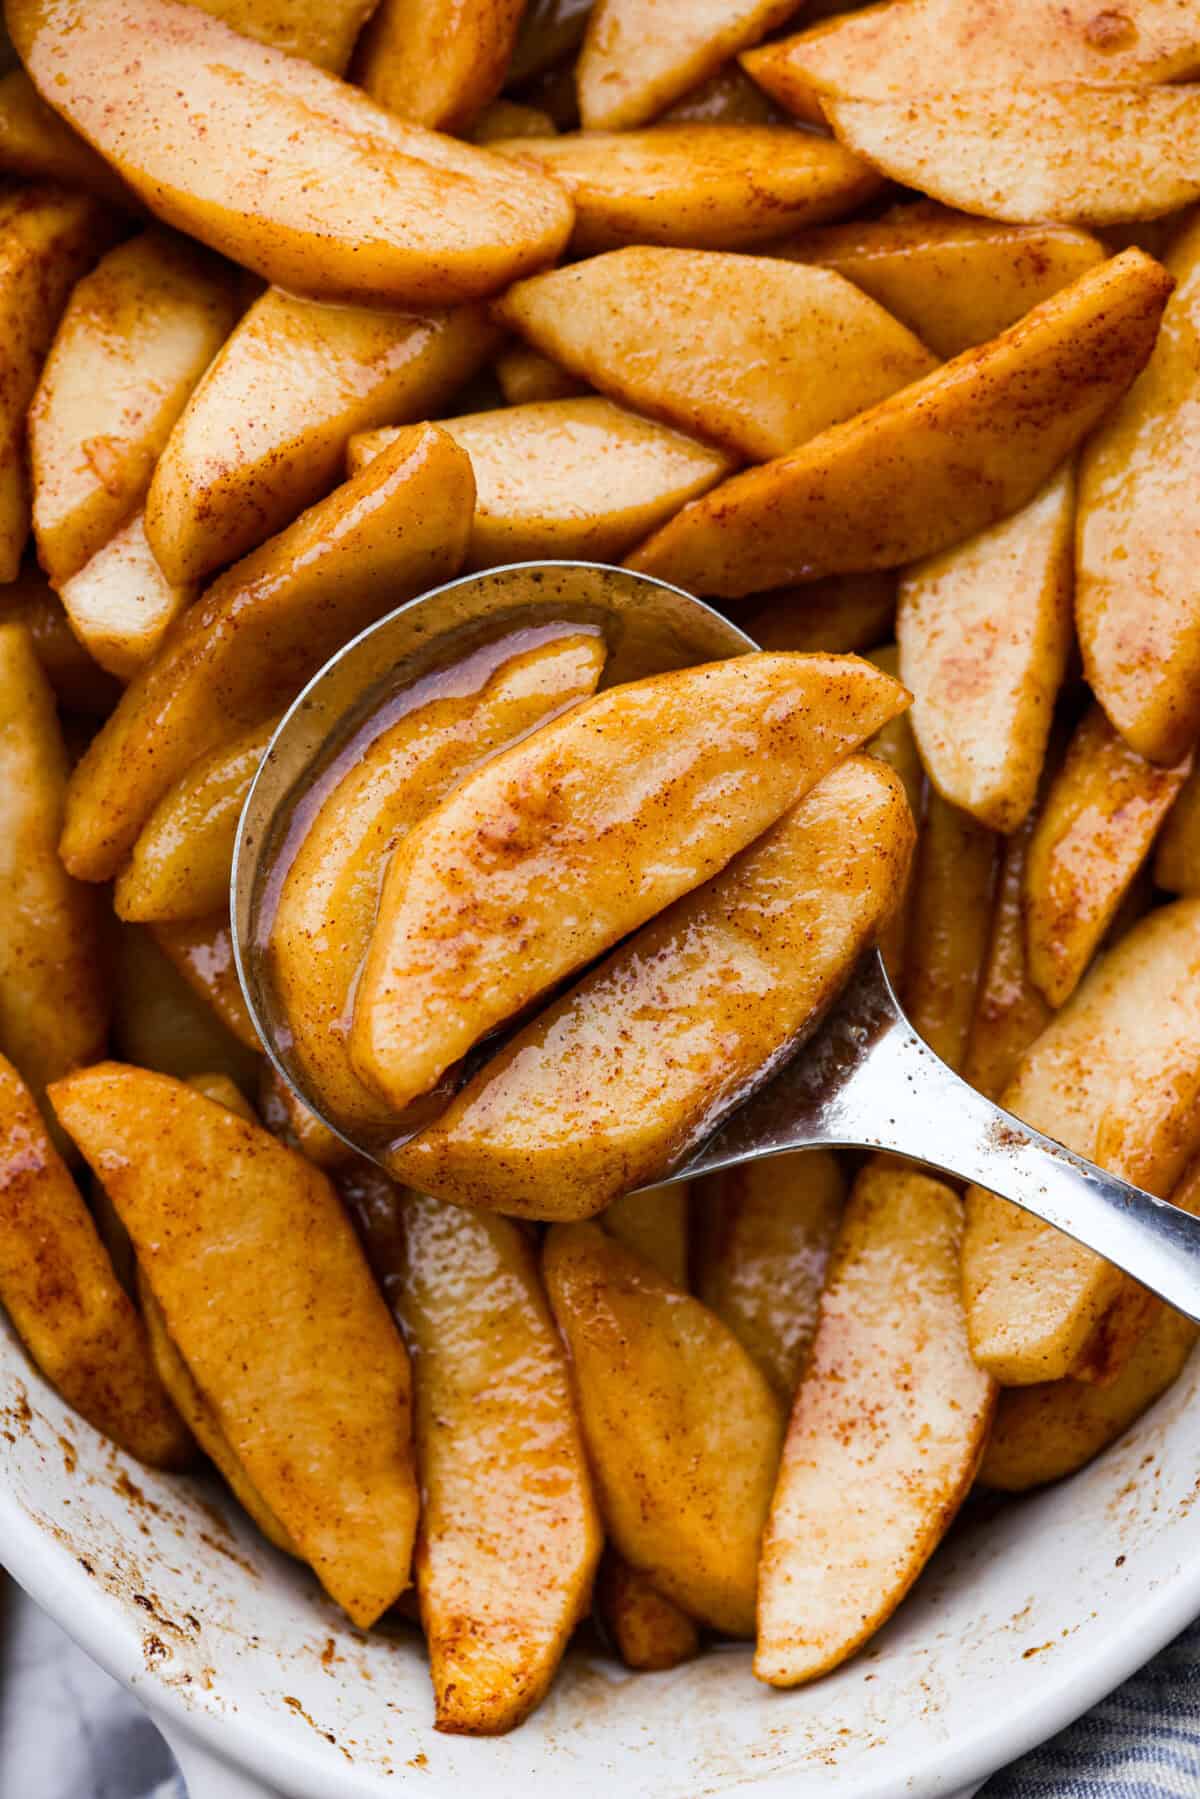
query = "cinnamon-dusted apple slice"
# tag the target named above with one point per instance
(577, 478)
(137, 334)
(281, 166)
(706, 187)
(913, 47)
(765, 1232)
(935, 462)
(551, 852)
(640, 55)
(1116, 1077)
(37, 145)
(265, 433)
(649, 1630)
(886, 1431)
(1177, 855)
(754, 352)
(327, 902)
(608, 1088)
(58, 1286)
(953, 279)
(180, 865)
(510, 1536)
(947, 936)
(434, 62)
(321, 31)
(1095, 829)
(1137, 594)
(682, 1429)
(1010, 1012)
(265, 1291)
(263, 628)
(985, 630)
(121, 604)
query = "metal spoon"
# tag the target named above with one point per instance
(864, 1079)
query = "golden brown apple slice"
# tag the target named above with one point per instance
(281, 166)
(526, 376)
(705, 187)
(901, 51)
(615, 1081)
(53, 987)
(1010, 1012)
(655, 1227)
(67, 1306)
(327, 903)
(947, 935)
(321, 31)
(1116, 1077)
(121, 605)
(48, 239)
(640, 55)
(1095, 829)
(568, 478)
(765, 1232)
(201, 950)
(885, 1434)
(1078, 155)
(265, 433)
(985, 630)
(509, 118)
(1137, 584)
(755, 353)
(268, 623)
(180, 865)
(552, 851)
(80, 685)
(682, 1429)
(935, 462)
(650, 1631)
(1177, 856)
(840, 616)
(954, 280)
(36, 144)
(265, 1290)
(509, 1531)
(434, 62)
(161, 1022)
(136, 336)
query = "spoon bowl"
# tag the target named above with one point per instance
(863, 1078)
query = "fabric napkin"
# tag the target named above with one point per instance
(69, 1732)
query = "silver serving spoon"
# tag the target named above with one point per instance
(863, 1079)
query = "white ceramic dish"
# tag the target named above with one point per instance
(1020, 1624)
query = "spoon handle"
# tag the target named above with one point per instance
(868, 1081)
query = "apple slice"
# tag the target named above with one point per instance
(80, 685)
(765, 1232)
(1095, 829)
(837, 617)
(578, 479)
(755, 353)
(913, 47)
(321, 31)
(549, 853)
(886, 1431)
(1010, 1012)
(1177, 856)
(54, 998)
(896, 745)
(1137, 595)
(435, 63)
(281, 166)
(655, 1227)
(136, 336)
(265, 1291)
(985, 630)
(640, 55)
(1078, 155)
(650, 1631)
(947, 937)
(682, 1429)
(935, 462)
(510, 1537)
(706, 187)
(201, 950)
(180, 866)
(121, 605)
(610, 1086)
(66, 1304)
(244, 650)
(265, 433)
(327, 902)
(526, 376)
(954, 280)
(48, 239)
(161, 1022)
(37, 145)
(1116, 1077)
